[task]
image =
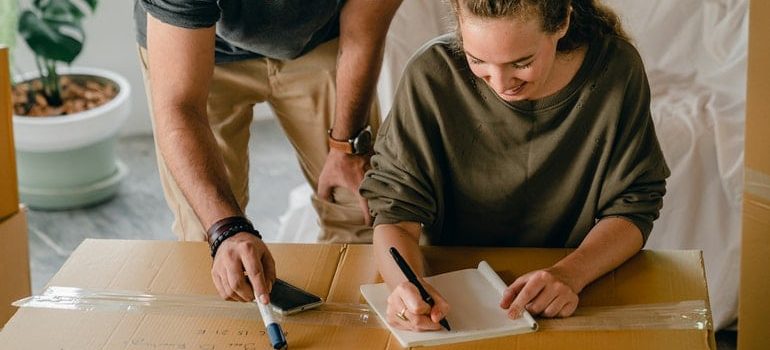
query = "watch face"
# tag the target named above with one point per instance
(363, 142)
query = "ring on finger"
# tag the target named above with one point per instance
(402, 314)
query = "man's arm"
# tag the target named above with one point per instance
(363, 28)
(553, 291)
(181, 64)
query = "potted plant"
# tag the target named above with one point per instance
(66, 119)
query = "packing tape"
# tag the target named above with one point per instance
(691, 314)
(69, 298)
(757, 183)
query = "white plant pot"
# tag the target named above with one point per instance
(69, 161)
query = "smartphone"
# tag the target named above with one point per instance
(287, 299)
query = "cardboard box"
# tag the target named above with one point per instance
(9, 190)
(160, 267)
(753, 305)
(335, 273)
(14, 263)
(651, 277)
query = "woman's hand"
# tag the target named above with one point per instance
(542, 292)
(407, 310)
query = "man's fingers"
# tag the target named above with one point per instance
(365, 207)
(268, 269)
(259, 287)
(325, 190)
(219, 285)
(241, 290)
(255, 274)
(229, 293)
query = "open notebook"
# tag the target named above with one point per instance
(474, 295)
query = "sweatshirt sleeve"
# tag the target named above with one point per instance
(184, 13)
(635, 181)
(402, 183)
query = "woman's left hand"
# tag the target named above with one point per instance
(543, 292)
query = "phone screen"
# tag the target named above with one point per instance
(288, 299)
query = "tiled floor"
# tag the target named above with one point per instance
(139, 210)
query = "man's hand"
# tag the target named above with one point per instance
(542, 292)
(345, 171)
(239, 255)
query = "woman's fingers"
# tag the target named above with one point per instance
(541, 293)
(407, 310)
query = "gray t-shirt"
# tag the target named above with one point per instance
(282, 29)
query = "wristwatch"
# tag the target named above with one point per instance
(359, 144)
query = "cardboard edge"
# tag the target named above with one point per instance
(755, 245)
(9, 184)
(711, 334)
(20, 241)
(341, 258)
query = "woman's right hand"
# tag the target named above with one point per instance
(407, 310)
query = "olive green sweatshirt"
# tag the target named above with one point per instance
(479, 171)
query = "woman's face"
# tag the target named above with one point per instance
(512, 55)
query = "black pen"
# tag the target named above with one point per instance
(413, 279)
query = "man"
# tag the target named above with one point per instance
(207, 62)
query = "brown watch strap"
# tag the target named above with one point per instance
(344, 146)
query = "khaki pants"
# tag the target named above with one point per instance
(301, 92)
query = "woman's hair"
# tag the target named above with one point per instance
(589, 20)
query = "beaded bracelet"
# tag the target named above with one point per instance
(226, 228)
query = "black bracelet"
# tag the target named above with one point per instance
(220, 231)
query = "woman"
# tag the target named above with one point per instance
(529, 127)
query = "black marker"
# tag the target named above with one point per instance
(413, 279)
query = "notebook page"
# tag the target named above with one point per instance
(475, 312)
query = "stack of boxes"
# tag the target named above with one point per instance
(754, 301)
(14, 251)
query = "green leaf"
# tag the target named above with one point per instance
(61, 11)
(52, 39)
(38, 4)
(91, 4)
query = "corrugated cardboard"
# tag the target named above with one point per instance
(649, 277)
(754, 308)
(335, 273)
(181, 268)
(9, 191)
(14, 263)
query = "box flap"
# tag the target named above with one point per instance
(14, 263)
(9, 201)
